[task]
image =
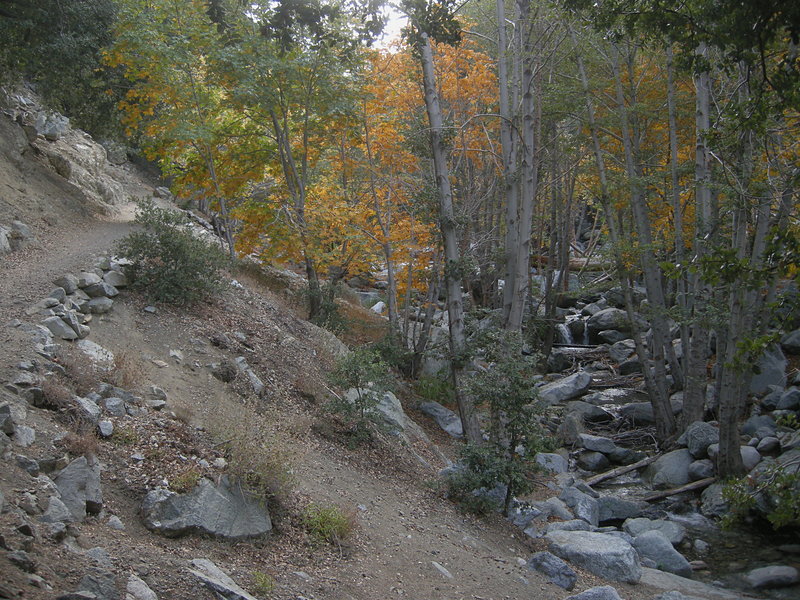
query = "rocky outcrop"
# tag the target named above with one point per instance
(222, 511)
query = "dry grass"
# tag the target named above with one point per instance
(81, 374)
(81, 444)
(259, 456)
(127, 371)
(55, 395)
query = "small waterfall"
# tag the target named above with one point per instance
(563, 335)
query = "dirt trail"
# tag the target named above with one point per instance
(409, 542)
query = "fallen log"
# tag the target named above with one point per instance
(689, 487)
(621, 470)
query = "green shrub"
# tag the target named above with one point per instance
(515, 435)
(328, 524)
(263, 583)
(169, 264)
(774, 491)
(436, 388)
(328, 315)
(364, 371)
(394, 353)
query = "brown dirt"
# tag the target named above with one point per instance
(402, 524)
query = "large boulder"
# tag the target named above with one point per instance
(670, 470)
(552, 462)
(791, 342)
(699, 436)
(222, 511)
(655, 546)
(567, 388)
(712, 502)
(618, 509)
(772, 577)
(606, 556)
(590, 413)
(557, 571)
(583, 505)
(597, 443)
(641, 413)
(79, 486)
(771, 370)
(444, 417)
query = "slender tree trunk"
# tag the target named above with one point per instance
(529, 169)
(654, 363)
(447, 224)
(508, 142)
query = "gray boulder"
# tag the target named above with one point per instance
(138, 590)
(617, 509)
(444, 417)
(712, 503)
(552, 462)
(217, 580)
(589, 412)
(771, 371)
(674, 532)
(750, 457)
(597, 443)
(116, 279)
(583, 505)
(608, 318)
(98, 306)
(655, 546)
(571, 525)
(59, 328)
(51, 125)
(101, 289)
(604, 555)
(87, 278)
(791, 342)
(559, 572)
(567, 388)
(622, 350)
(67, 281)
(56, 512)
(611, 336)
(772, 577)
(670, 470)
(759, 423)
(88, 409)
(570, 428)
(221, 511)
(79, 486)
(100, 582)
(701, 469)
(699, 436)
(789, 400)
(593, 461)
(641, 413)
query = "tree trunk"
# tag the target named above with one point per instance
(447, 224)
(654, 366)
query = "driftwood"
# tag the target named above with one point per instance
(689, 487)
(621, 470)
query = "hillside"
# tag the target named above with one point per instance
(403, 528)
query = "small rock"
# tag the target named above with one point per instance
(116, 523)
(593, 461)
(605, 592)
(441, 569)
(29, 465)
(22, 560)
(24, 436)
(655, 546)
(106, 428)
(217, 580)
(138, 589)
